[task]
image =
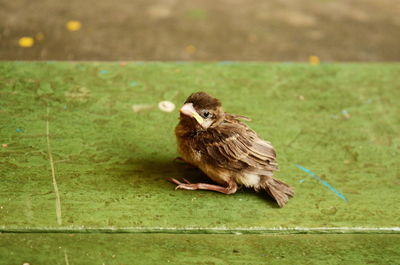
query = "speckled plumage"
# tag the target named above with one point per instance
(227, 151)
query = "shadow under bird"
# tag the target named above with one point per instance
(226, 150)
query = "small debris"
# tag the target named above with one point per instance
(166, 106)
(329, 211)
(301, 97)
(80, 94)
(301, 181)
(197, 13)
(133, 83)
(346, 114)
(190, 49)
(314, 60)
(73, 25)
(18, 130)
(26, 263)
(159, 11)
(141, 107)
(39, 36)
(26, 42)
(104, 72)
(4, 145)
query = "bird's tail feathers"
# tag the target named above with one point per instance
(277, 189)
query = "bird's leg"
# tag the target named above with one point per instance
(231, 188)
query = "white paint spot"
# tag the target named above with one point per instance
(166, 106)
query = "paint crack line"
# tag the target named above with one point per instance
(66, 257)
(58, 200)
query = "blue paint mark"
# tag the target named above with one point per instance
(322, 181)
(133, 83)
(18, 130)
(103, 72)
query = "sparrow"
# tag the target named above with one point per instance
(226, 150)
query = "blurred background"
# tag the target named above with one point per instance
(202, 30)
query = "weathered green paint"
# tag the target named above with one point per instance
(111, 163)
(198, 249)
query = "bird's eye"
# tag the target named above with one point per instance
(206, 113)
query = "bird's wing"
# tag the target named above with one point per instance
(235, 146)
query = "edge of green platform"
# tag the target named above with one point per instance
(212, 230)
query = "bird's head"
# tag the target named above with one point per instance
(201, 111)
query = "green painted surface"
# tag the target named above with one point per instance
(198, 249)
(111, 163)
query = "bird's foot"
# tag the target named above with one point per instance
(203, 186)
(184, 186)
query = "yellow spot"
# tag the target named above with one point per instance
(313, 60)
(26, 42)
(73, 25)
(39, 36)
(190, 49)
(4, 145)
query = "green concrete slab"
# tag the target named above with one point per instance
(198, 249)
(341, 121)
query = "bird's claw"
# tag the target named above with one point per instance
(184, 186)
(187, 181)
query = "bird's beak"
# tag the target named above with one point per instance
(188, 110)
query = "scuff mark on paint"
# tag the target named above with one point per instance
(322, 182)
(103, 72)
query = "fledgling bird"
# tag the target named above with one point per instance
(226, 150)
